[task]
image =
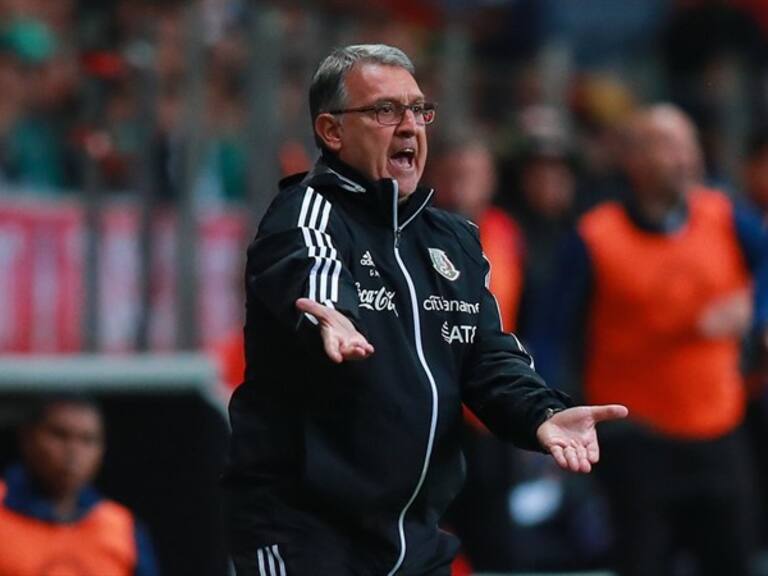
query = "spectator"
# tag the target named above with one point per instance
(713, 55)
(601, 105)
(466, 179)
(32, 150)
(52, 521)
(543, 198)
(657, 289)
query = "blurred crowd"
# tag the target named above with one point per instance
(154, 101)
(86, 82)
(113, 82)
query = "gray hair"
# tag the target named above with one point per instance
(328, 92)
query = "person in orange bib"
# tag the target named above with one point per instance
(658, 291)
(52, 522)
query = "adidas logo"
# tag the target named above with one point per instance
(367, 259)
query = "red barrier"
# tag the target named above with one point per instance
(42, 267)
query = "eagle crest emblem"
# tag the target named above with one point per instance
(443, 264)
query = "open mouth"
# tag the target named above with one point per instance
(404, 158)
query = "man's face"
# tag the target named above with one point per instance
(666, 158)
(398, 152)
(466, 180)
(667, 155)
(548, 186)
(64, 449)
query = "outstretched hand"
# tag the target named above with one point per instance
(571, 435)
(730, 316)
(341, 339)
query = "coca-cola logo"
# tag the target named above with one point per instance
(377, 299)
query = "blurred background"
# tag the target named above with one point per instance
(141, 141)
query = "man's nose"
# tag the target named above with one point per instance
(408, 124)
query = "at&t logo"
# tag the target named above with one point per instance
(461, 333)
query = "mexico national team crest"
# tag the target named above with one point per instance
(443, 265)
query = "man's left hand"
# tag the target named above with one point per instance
(571, 435)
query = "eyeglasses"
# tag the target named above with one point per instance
(391, 113)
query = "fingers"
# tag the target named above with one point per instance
(572, 458)
(593, 452)
(312, 307)
(559, 455)
(339, 351)
(581, 460)
(341, 339)
(356, 350)
(609, 412)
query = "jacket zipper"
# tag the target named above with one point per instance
(420, 352)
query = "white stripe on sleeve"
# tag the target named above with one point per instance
(323, 282)
(280, 562)
(262, 570)
(272, 570)
(325, 216)
(315, 211)
(335, 281)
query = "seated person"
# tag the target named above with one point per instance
(52, 521)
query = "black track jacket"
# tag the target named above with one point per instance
(363, 457)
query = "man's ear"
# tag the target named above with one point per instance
(328, 129)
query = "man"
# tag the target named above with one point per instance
(368, 323)
(657, 289)
(544, 205)
(51, 520)
(466, 178)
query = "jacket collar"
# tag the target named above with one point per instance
(24, 496)
(379, 198)
(674, 221)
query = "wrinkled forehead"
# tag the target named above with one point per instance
(371, 82)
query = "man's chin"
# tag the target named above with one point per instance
(406, 187)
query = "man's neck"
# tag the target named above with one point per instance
(656, 210)
(659, 213)
(65, 507)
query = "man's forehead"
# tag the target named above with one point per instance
(68, 413)
(665, 121)
(379, 82)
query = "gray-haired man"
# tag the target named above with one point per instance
(345, 447)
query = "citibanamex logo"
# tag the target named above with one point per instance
(377, 299)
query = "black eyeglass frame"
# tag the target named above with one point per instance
(418, 110)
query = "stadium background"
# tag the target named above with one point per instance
(140, 142)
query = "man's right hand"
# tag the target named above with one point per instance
(728, 317)
(341, 339)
